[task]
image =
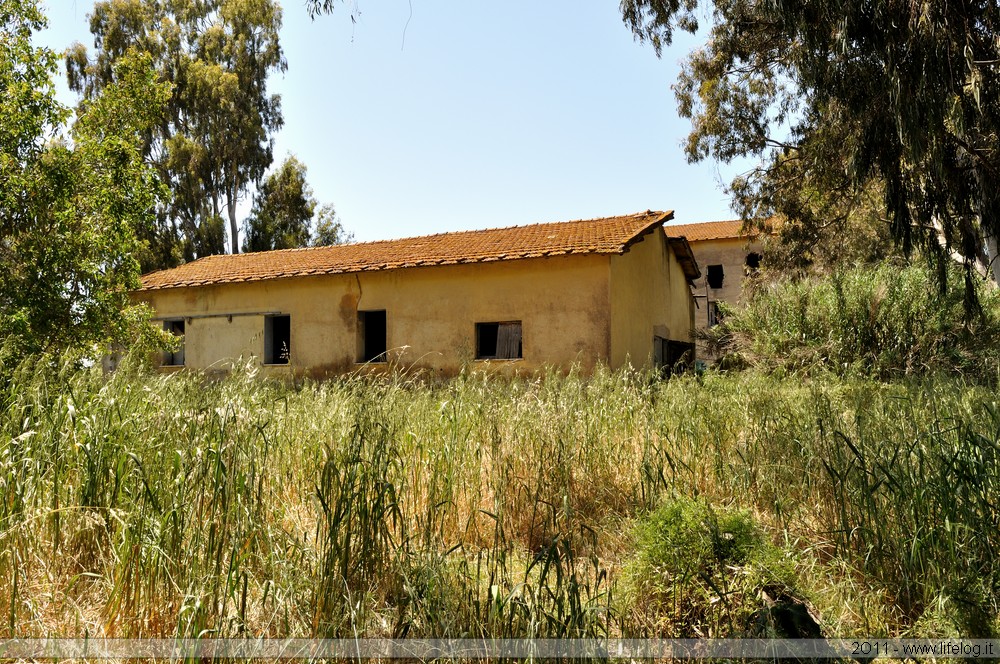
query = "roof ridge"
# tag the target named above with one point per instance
(715, 221)
(443, 233)
(712, 230)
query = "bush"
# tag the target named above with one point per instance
(698, 569)
(882, 322)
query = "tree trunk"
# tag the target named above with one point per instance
(233, 228)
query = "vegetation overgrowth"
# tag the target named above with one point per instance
(885, 321)
(139, 504)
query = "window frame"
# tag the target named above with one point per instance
(284, 358)
(667, 354)
(710, 273)
(714, 313)
(478, 332)
(362, 356)
(169, 358)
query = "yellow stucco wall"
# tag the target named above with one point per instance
(649, 297)
(431, 312)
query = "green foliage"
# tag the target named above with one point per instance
(361, 527)
(817, 232)
(317, 7)
(884, 322)
(890, 484)
(214, 141)
(71, 206)
(938, 487)
(653, 20)
(839, 100)
(282, 215)
(30, 110)
(699, 570)
(329, 229)
(282, 212)
(686, 538)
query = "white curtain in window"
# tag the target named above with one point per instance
(508, 341)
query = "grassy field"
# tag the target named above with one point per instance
(147, 505)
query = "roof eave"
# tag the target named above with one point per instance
(685, 256)
(424, 264)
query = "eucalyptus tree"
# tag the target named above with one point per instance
(73, 197)
(285, 214)
(848, 97)
(282, 211)
(214, 142)
(329, 229)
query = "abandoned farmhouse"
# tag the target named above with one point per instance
(611, 290)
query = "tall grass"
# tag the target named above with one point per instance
(147, 505)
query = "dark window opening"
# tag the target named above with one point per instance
(672, 357)
(680, 356)
(715, 276)
(498, 341)
(277, 339)
(371, 336)
(175, 358)
(753, 261)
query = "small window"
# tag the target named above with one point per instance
(277, 339)
(176, 358)
(714, 314)
(715, 276)
(371, 336)
(753, 261)
(498, 341)
(672, 357)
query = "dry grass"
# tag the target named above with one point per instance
(147, 505)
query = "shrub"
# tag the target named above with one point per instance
(698, 569)
(882, 322)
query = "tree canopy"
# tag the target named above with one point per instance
(329, 229)
(214, 141)
(73, 200)
(843, 99)
(283, 212)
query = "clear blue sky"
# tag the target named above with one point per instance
(474, 114)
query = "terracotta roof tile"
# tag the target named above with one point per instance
(611, 235)
(708, 230)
